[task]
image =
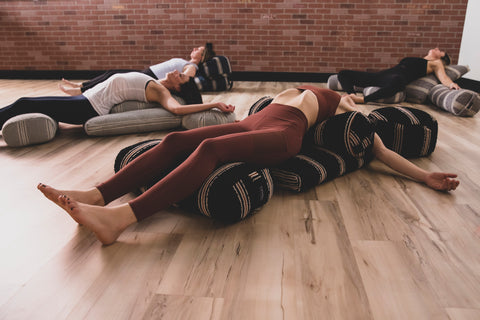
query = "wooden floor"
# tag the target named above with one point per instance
(369, 245)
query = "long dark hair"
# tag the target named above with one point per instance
(190, 93)
(208, 53)
(446, 59)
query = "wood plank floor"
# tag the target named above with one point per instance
(369, 245)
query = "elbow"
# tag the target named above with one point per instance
(176, 111)
(380, 153)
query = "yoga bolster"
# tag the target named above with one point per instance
(231, 193)
(348, 133)
(408, 131)
(464, 103)
(313, 167)
(334, 84)
(396, 98)
(207, 118)
(214, 75)
(417, 90)
(28, 129)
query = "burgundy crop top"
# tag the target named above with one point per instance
(327, 101)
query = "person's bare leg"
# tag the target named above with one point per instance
(91, 196)
(70, 91)
(72, 84)
(106, 222)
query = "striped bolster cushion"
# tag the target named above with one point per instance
(260, 104)
(396, 98)
(214, 75)
(131, 105)
(154, 119)
(215, 66)
(207, 118)
(313, 167)
(407, 131)
(417, 90)
(27, 129)
(347, 133)
(231, 193)
(461, 102)
(334, 84)
(219, 82)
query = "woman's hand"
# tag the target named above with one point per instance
(441, 181)
(454, 86)
(225, 107)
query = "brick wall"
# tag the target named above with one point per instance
(257, 35)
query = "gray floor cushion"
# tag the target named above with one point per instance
(137, 121)
(207, 118)
(27, 129)
(465, 103)
(417, 90)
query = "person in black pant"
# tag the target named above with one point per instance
(395, 79)
(157, 71)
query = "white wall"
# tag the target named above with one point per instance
(470, 46)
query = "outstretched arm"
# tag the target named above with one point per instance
(438, 68)
(435, 180)
(156, 92)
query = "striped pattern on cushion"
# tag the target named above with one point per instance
(215, 66)
(314, 166)
(214, 75)
(207, 118)
(148, 120)
(334, 84)
(231, 193)
(417, 90)
(131, 105)
(407, 131)
(396, 98)
(130, 153)
(461, 102)
(219, 82)
(260, 104)
(347, 133)
(27, 129)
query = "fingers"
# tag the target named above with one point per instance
(450, 175)
(450, 184)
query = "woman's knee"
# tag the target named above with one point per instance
(174, 138)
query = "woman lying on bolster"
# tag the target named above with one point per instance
(157, 71)
(267, 137)
(119, 88)
(395, 79)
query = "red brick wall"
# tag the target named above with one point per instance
(257, 35)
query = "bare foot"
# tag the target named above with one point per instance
(106, 223)
(71, 83)
(92, 196)
(70, 91)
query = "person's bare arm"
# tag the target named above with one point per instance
(156, 92)
(439, 70)
(435, 180)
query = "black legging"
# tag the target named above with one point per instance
(389, 81)
(104, 76)
(72, 110)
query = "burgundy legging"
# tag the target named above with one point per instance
(268, 137)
